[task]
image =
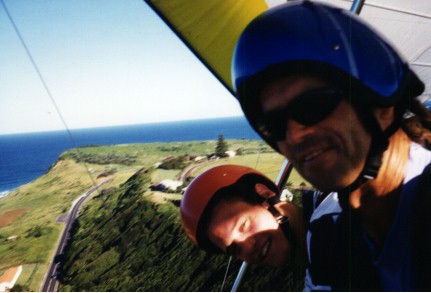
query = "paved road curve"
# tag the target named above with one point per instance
(50, 283)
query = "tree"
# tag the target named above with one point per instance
(221, 147)
(179, 162)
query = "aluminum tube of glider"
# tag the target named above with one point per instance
(357, 6)
(239, 277)
(284, 174)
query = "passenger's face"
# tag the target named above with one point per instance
(331, 153)
(248, 232)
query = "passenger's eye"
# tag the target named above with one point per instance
(243, 225)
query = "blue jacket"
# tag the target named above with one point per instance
(341, 258)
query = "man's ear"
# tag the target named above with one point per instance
(263, 190)
(385, 116)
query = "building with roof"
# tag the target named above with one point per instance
(9, 278)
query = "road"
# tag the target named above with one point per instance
(50, 283)
(187, 171)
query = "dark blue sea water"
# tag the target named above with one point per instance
(25, 157)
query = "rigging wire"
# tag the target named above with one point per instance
(45, 85)
(258, 157)
(225, 275)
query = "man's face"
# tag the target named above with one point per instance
(249, 232)
(330, 153)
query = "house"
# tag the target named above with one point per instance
(199, 158)
(212, 157)
(8, 279)
(286, 195)
(171, 184)
(167, 185)
(12, 238)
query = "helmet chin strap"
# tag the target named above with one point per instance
(372, 165)
(282, 221)
(379, 144)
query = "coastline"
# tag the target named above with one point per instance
(27, 156)
(4, 193)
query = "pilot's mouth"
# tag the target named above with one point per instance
(313, 155)
(310, 156)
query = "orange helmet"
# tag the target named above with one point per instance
(203, 189)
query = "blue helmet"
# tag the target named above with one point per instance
(335, 45)
(324, 41)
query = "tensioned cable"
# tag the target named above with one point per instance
(39, 74)
(258, 157)
(225, 275)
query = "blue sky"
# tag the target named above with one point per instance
(105, 62)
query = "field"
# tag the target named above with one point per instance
(31, 211)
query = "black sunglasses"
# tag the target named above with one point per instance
(307, 109)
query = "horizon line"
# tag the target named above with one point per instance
(119, 125)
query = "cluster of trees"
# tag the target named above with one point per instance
(181, 162)
(176, 163)
(221, 147)
(37, 231)
(123, 241)
(107, 173)
(101, 159)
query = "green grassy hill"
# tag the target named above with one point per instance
(32, 213)
(124, 241)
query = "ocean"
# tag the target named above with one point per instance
(25, 157)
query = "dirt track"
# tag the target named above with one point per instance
(9, 217)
